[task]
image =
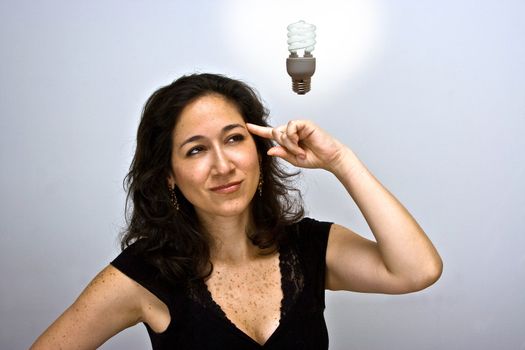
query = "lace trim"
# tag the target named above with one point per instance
(292, 279)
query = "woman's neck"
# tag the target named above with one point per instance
(229, 239)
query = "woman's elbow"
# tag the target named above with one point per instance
(428, 275)
(419, 278)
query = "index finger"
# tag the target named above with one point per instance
(262, 131)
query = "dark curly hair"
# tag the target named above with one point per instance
(173, 240)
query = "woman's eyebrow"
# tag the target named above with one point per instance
(230, 127)
(199, 137)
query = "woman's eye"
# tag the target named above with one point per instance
(236, 138)
(194, 150)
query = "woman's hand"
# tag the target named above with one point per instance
(303, 144)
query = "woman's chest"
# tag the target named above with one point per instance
(250, 296)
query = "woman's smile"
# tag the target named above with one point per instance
(227, 188)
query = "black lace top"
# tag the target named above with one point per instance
(198, 322)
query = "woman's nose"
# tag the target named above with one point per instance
(222, 163)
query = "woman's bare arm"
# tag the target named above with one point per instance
(402, 259)
(110, 303)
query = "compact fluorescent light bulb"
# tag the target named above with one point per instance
(301, 36)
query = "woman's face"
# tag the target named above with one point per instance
(214, 161)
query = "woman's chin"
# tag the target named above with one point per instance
(226, 211)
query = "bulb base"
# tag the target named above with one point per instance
(301, 86)
(301, 70)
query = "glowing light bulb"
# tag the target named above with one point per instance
(301, 36)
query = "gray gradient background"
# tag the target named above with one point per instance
(437, 113)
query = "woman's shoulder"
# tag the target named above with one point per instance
(133, 263)
(309, 236)
(308, 226)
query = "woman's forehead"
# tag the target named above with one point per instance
(207, 114)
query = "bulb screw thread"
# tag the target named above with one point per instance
(301, 86)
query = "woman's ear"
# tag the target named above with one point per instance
(171, 181)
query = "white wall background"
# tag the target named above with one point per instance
(429, 94)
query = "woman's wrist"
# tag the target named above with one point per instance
(346, 165)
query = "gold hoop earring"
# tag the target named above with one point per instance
(260, 185)
(173, 198)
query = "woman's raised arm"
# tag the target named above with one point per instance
(402, 259)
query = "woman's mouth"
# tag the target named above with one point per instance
(227, 188)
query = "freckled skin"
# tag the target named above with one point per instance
(250, 295)
(111, 302)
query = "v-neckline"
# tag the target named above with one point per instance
(221, 315)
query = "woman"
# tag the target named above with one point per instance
(217, 254)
